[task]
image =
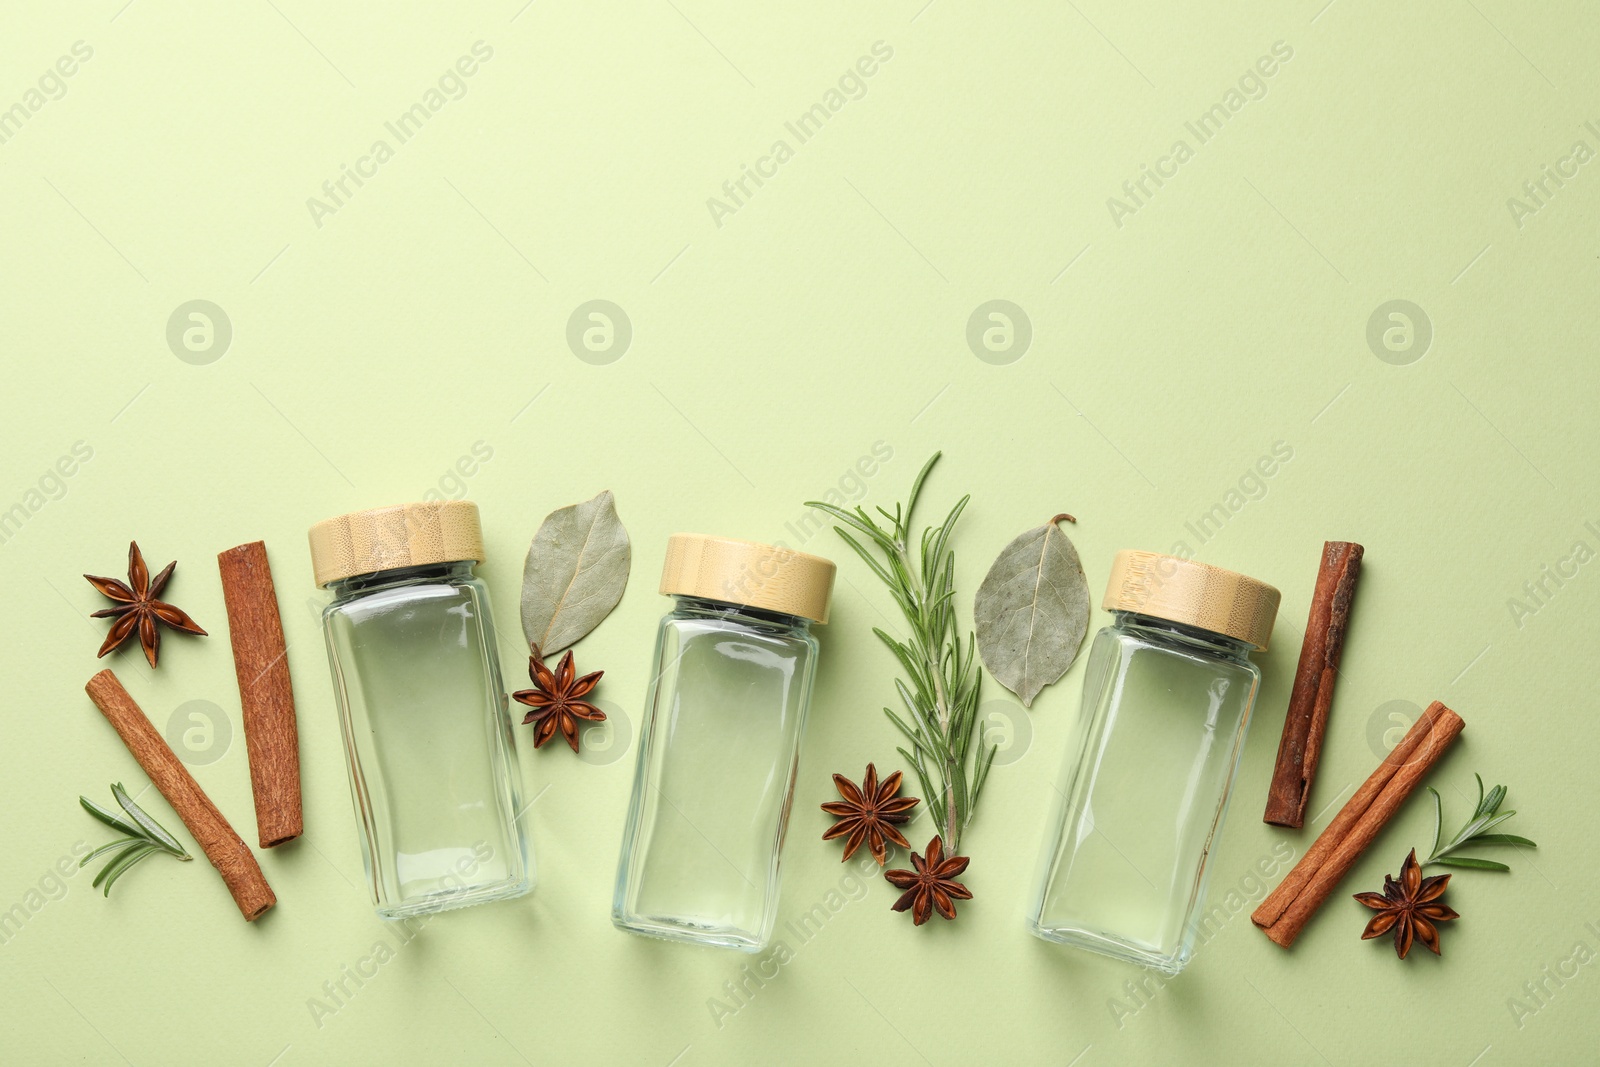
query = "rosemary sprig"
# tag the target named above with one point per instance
(145, 837)
(941, 698)
(1487, 816)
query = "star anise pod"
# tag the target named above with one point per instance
(1410, 907)
(557, 700)
(932, 885)
(138, 608)
(869, 813)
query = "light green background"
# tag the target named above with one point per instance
(827, 313)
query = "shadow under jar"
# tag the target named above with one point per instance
(427, 733)
(720, 741)
(1167, 696)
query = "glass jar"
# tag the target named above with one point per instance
(1142, 793)
(427, 732)
(720, 741)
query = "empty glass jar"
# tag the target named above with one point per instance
(428, 741)
(1166, 701)
(720, 741)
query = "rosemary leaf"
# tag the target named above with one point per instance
(940, 688)
(1504, 839)
(152, 829)
(121, 862)
(1438, 817)
(1485, 817)
(111, 847)
(1467, 861)
(145, 837)
(106, 817)
(911, 735)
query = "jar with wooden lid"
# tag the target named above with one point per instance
(427, 730)
(1167, 696)
(720, 741)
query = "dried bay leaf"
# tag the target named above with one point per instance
(576, 570)
(1032, 610)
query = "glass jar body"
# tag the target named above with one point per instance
(718, 751)
(428, 741)
(1143, 790)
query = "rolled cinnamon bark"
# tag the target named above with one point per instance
(1312, 696)
(1286, 910)
(266, 696)
(227, 852)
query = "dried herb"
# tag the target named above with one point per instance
(1032, 610)
(931, 885)
(868, 813)
(576, 570)
(1410, 907)
(1485, 817)
(138, 608)
(145, 837)
(557, 700)
(942, 697)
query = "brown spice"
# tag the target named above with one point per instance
(931, 885)
(1312, 695)
(556, 699)
(261, 662)
(137, 608)
(228, 854)
(1409, 906)
(1287, 909)
(868, 814)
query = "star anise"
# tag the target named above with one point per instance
(138, 608)
(932, 884)
(556, 700)
(869, 813)
(1410, 907)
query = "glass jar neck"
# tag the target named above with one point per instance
(705, 608)
(1182, 635)
(362, 584)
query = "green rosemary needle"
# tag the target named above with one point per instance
(1485, 817)
(941, 698)
(145, 837)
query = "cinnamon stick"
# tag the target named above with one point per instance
(261, 662)
(228, 854)
(1286, 910)
(1312, 695)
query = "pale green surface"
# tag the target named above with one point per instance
(825, 315)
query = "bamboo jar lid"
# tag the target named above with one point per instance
(769, 577)
(1195, 594)
(405, 535)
